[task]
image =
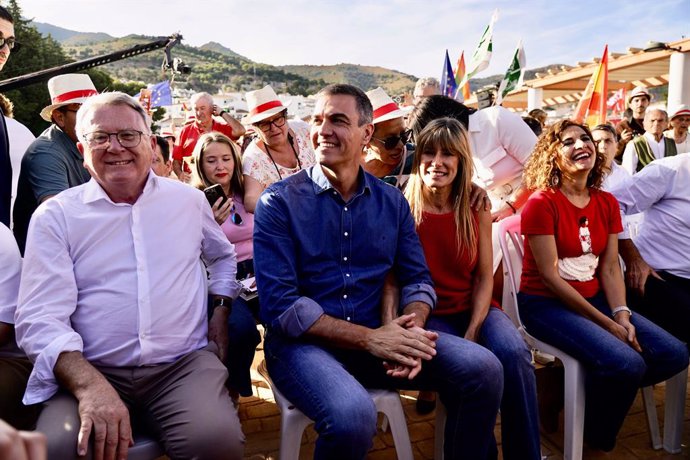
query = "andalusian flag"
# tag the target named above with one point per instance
(448, 86)
(459, 74)
(482, 55)
(592, 106)
(513, 77)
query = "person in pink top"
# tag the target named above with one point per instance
(217, 161)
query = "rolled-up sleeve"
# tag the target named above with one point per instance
(282, 307)
(219, 257)
(47, 299)
(410, 265)
(515, 136)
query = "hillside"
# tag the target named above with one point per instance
(216, 67)
(366, 77)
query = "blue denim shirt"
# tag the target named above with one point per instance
(316, 254)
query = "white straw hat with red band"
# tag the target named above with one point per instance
(71, 88)
(680, 109)
(384, 107)
(263, 103)
(639, 91)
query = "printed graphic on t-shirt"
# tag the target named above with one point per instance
(583, 267)
(585, 237)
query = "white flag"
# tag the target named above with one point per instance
(482, 55)
(513, 77)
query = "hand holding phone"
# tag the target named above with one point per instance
(213, 193)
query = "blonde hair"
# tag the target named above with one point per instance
(199, 179)
(541, 170)
(449, 135)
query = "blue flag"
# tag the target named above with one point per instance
(448, 84)
(161, 94)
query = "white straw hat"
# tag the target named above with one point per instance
(71, 88)
(680, 109)
(384, 107)
(263, 103)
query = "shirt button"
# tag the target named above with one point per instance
(345, 208)
(347, 274)
(142, 335)
(345, 233)
(348, 318)
(334, 192)
(345, 296)
(345, 258)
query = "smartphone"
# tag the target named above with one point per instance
(213, 193)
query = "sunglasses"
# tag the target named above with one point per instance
(235, 218)
(391, 142)
(11, 43)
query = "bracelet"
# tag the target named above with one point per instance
(221, 113)
(617, 310)
(511, 207)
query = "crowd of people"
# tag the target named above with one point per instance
(127, 283)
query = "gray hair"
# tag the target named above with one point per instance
(110, 98)
(648, 113)
(202, 95)
(428, 82)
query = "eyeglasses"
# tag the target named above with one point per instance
(266, 124)
(235, 218)
(11, 43)
(128, 138)
(391, 142)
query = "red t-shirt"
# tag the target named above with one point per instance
(452, 273)
(577, 231)
(191, 133)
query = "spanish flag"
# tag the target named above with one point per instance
(592, 106)
(464, 93)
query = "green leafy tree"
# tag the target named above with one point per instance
(37, 53)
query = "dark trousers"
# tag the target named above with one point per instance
(14, 373)
(665, 303)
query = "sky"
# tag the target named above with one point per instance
(406, 35)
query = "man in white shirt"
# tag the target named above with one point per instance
(657, 263)
(112, 302)
(652, 145)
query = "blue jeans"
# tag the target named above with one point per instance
(519, 413)
(328, 386)
(243, 337)
(614, 370)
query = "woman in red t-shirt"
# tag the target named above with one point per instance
(572, 293)
(457, 246)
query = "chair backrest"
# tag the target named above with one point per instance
(512, 247)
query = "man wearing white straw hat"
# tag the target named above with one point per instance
(52, 163)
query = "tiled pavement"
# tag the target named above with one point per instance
(261, 424)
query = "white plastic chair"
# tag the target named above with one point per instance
(512, 247)
(293, 421)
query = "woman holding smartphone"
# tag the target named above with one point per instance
(218, 171)
(572, 294)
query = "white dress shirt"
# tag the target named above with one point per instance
(20, 139)
(630, 160)
(684, 146)
(501, 144)
(10, 271)
(661, 191)
(121, 283)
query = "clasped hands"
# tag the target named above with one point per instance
(402, 344)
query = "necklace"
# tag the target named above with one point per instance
(275, 165)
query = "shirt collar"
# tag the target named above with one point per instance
(94, 192)
(322, 184)
(650, 138)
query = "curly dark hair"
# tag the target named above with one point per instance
(541, 171)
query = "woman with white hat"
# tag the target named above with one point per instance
(281, 149)
(387, 155)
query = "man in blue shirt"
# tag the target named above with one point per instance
(324, 241)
